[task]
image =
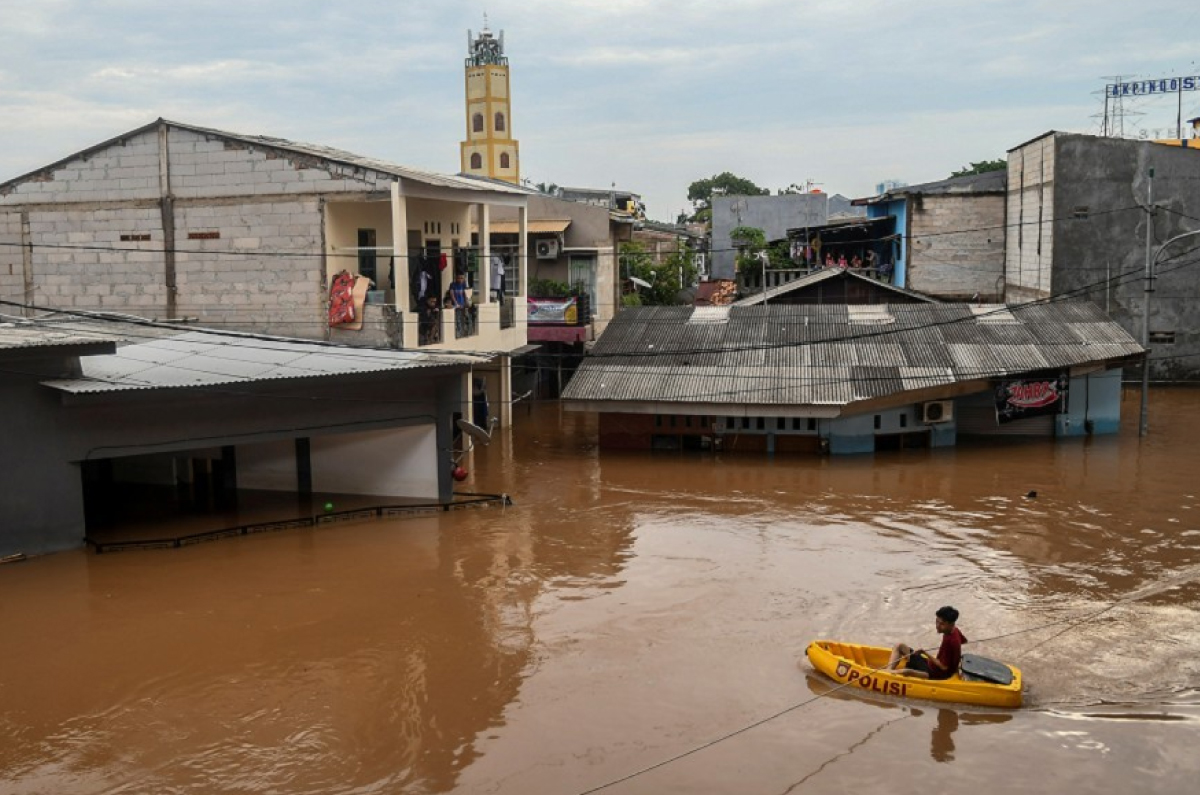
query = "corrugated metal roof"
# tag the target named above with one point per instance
(22, 336)
(817, 355)
(203, 359)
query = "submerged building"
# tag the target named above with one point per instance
(841, 378)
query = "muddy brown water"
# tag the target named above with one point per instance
(630, 609)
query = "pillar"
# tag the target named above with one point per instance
(505, 396)
(399, 239)
(484, 272)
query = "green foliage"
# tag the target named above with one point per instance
(666, 278)
(549, 288)
(982, 167)
(700, 192)
(750, 242)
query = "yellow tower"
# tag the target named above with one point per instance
(490, 150)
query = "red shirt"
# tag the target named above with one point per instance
(949, 655)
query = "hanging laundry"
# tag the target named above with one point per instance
(445, 261)
(341, 299)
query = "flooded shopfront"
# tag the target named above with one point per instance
(629, 609)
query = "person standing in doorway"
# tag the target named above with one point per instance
(479, 403)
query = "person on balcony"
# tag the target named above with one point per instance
(462, 305)
(429, 322)
(498, 276)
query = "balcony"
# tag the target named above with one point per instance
(560, 318)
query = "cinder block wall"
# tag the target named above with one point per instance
(957, 250)
(248, 228)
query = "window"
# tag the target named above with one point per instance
(504, 160)
(581, 273)
(135, 237)
(1162, 337)
(878, 422)
(476, 160)
(204, 235)
(366, 259)
(499, 122)
(477, 123)
(903, 420)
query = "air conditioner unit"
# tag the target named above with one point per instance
(937, 411)
(546, 249)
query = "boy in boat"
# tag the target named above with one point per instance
(919, 664)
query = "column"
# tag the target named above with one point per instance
(400, 241)
(505, 396)
(484, 273)
(523, 249)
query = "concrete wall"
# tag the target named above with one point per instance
(1093, 405)
(47, 435)
(772, 214)
(1029, 242)
(957, 246)
(397, 462)
(41, 500)
(1095, 234)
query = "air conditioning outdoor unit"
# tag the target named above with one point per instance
(546, 249)
(937, 411)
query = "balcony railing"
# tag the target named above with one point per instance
(751, 280)
(466, 322)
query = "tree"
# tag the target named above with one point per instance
(982, 167)
(667, 278)
(751, 242)
(701, 191)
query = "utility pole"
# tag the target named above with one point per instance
(1144, 418)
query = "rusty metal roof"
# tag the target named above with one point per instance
(834, 355)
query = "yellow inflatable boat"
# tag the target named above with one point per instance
(979, 681)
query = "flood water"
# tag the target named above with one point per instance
(630, 609)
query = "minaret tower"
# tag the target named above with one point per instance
(490, 150)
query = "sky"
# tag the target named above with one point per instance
(649, 95)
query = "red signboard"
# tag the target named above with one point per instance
(1029, 397)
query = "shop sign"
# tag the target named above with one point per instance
(558, 311)
(1141, 88)
(1029, 397)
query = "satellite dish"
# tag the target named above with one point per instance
(475, 432)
